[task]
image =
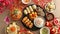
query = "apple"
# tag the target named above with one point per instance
(52, 31)
(48, 24)
(58, 29)
(56, 22)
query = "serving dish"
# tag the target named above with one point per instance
(45, 30)
(12, 28)
(29, 14)
(26, 1)
(39, 22)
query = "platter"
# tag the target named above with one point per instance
(31, 19)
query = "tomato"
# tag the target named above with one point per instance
(48, 24)
(52, 31)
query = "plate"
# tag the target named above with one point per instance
(26, 1)
(10, 26)
(29, 18)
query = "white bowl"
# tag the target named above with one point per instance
(46, 28)
(26, 2)
(50, 11)
(41, 20)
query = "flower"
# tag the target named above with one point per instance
(7, 20)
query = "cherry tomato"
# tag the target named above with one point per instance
(48, 24)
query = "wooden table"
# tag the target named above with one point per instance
(3, 24)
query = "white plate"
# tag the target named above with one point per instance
(26, 2)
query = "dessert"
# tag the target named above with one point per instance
(29, 9)
(40, 11)
(49, 16)
(13, 28)
(25, 12)
(50, 7)
(39, 22)
(33, 15)
(25, 18)
(34, 6)
(27, 22)
(44, 30)
(16, 14)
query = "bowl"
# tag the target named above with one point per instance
(45, 29)
(39, 22)
(26, 1)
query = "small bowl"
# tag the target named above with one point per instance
(41, 23)
(48, 16)
(50, 11)
(26, 2)
(46, 28)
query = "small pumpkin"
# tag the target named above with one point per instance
(16, 14)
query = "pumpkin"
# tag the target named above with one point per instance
(16, 14)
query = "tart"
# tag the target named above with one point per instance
(16, 14)
(13, 28)
(27, 22)
(33, 15)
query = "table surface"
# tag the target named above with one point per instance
(3, 24)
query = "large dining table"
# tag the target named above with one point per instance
(3, 25)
